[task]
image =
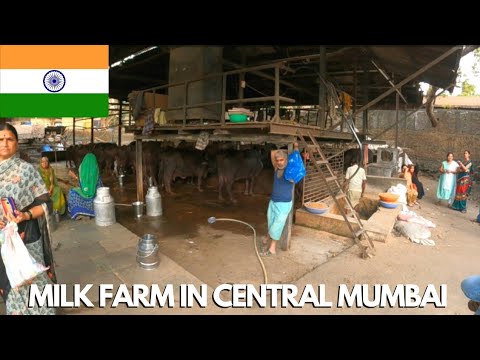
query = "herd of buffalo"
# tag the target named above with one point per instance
(163, 162)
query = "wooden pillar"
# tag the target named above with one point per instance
(139, 169)
(397, 104)
(322, 90)
(405, 129)
(120, 113)
(277, 94)
(224, 97)
(73, 132)
(366, 87)
(285, 239)
(241, 83)
(354, 100)
(91, 131)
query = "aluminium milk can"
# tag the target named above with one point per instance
(154, 202)
(147, 252)
(104, 207)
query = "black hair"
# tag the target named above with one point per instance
(9, 127)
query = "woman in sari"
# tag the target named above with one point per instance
(56, 194)
(22, 182)
(464, 184)
(417, 182)
(446, 183)
(412, 192)
(80, 199)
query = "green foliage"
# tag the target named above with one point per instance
(476, 66)
(467, 89)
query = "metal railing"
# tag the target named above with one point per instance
(276, 98)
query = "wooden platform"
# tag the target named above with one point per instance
(251, 131)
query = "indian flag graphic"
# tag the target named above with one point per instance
(54, 80)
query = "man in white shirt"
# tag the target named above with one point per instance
(355, 183)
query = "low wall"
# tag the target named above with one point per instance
(381, 183)
(330, 223)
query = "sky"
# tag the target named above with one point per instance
(466, 64)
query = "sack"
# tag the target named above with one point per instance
(417, 233)
(295, 170)
(20, 266)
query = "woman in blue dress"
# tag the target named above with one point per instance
(446, 183)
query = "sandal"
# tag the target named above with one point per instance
(267, 253)
(464, 211)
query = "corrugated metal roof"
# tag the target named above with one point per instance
(349, 68)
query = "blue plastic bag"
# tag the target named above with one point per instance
(295, 170)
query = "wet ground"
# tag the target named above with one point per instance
(213, 253)
(223, 252)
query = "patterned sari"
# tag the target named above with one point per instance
(49, 178)
(464, 187)
(80, 199)
(21, 181)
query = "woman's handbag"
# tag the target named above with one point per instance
(295, 170)
(20, 266)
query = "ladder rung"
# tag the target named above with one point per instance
(359, 232)
(340, 196)
(331, 178)
(319, 162)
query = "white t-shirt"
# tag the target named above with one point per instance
(355, 183)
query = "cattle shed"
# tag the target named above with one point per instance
(319, 94)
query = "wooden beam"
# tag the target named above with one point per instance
(247, 138)
(286, 237)
(322, 89)
(120, 113)
(269, 77)
(287, 129)
(139, 168)
(468, 49)
(389, 81)
(92, 140)
(409, 78)
(404, 81)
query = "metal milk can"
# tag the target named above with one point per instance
(154, 202)
(147, 252)
(104, 207)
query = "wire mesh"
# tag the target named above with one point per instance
(315, 188)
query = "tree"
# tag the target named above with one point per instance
(476, 66)
(467, 89)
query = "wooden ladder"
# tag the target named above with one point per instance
(318, 158)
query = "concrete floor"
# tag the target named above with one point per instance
(88, 254)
